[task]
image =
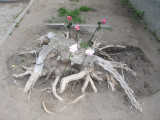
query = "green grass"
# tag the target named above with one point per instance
(17, 24)
(154, 33)
(138, 14)
(84, 44)
(125, 2)
(75, 13)
(62, 12)
(19, 13)
(158, 49)
(28, 12)
(23, 60)
(10, 33)
(85, 9)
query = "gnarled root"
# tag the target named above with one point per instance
(73, 77)
(54, 88)
(96, 77)
(106, 65)
(36, 74)
(87, 80)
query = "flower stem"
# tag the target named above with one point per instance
(76, 36)
(82, 62)
(66, 65)
(69, 32)
(92, 36)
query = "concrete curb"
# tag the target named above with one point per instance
(18, 19)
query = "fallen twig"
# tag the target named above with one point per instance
(46, 110)
(77, 99)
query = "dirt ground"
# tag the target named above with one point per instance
(105, 105)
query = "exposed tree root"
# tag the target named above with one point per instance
(92, 84)
(85, 84)
(106, 65)
(51, 45)
(73, 77)
(54, 87)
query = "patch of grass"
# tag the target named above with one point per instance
(85, 9)
(62, 12)
(75, 14)
(19, 13)
(85, 44)
(158, 49)
(17, 24)
(23, 60)
(10, 33)
(145, 27)
(154, 33)
(28, 12)
(138, 14)
(125, 2)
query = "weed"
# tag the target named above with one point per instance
(84, 44)
(10, 33)
(17, 24)
(158, 49)
(62, 12)
(138, 14)
(85, 8)
(28, 12)
(23, 60)
(19, 13)
(157, 39)
(154, 33)
(125, 2)
(75, 14)
(145, 27)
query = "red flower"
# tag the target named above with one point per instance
(77, 27)
(69, 18)
(104, 21)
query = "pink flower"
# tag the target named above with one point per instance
(104, 21)
(77, 27)
(73, 48)
(69, 18)
(89, 52)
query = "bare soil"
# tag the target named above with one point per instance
(141, 55)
